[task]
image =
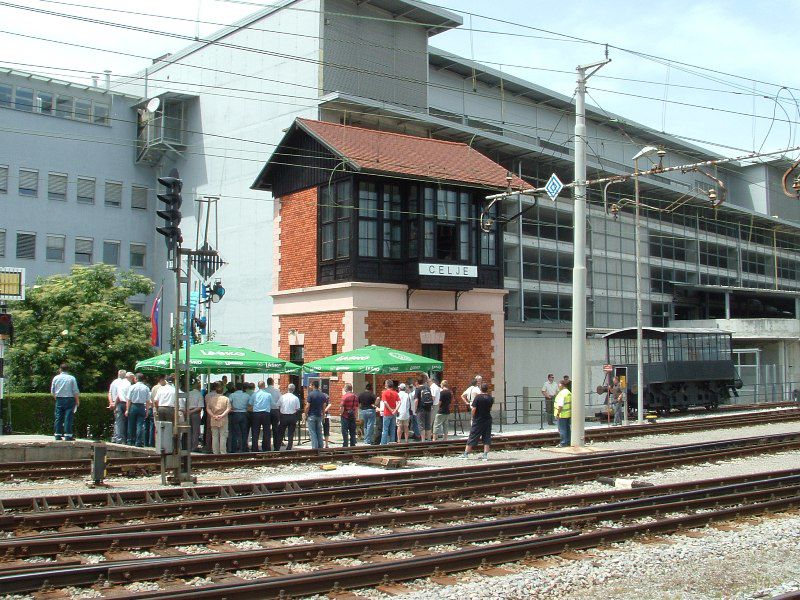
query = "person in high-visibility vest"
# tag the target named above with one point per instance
(562, 408)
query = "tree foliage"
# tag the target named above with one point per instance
(82, 319)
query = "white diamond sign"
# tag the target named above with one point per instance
(553, 187)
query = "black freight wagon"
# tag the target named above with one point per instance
(682, 367)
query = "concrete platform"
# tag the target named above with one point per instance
(29, 448)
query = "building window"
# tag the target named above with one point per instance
(83, 110)
(137, 306)
(28, 182)
(336, 208)
(23, 99)
(669, 247)
(138, 256)
(663, 280)
(434, 351)
(5, 94)
(86, 190)
(296, 354)
(413, 222)
(367, 219)
(101, 113)
(55, 248)
(714, 255)
(84, 248)
(139, 197)
(753, 263)
(113, 195)
(44, 103)
(392, 221)
(26, 245)
(3, 179)
(111, 252)
(2, 243)
(57, 186)
(448, 232)
(64, 106)
(489, 243)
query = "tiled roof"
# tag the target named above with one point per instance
(385, 152)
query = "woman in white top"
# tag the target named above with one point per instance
(403, 413)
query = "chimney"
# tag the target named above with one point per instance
(95, 78)
(108, 78)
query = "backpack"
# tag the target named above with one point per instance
(425, 398)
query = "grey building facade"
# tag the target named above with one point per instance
(225, 101)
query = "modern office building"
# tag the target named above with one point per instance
(226, 102)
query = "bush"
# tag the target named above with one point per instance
(34, 413)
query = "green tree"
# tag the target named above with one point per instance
(82, 319)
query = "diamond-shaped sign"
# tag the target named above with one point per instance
(207, 266)
(553, 187)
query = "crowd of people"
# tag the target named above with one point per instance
(245, 417)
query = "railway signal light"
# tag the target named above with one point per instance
(6, 326)
(172, 213)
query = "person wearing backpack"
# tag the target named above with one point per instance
(423, 408)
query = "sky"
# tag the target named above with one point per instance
(714, 75)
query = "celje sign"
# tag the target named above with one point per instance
(437, 270)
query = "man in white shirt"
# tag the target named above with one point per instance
(289, 406)
(468, 395)
(118, 402)
(435, 392)
(549, 391)
(165, 400)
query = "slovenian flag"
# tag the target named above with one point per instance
(155, 319)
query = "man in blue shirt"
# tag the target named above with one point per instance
(315, 409)
(238, 419)
(261, 401)
(138, 399)
(67, 396)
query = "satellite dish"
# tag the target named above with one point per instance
(153, 104)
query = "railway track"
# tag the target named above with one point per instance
(150, 465)
(318, 523)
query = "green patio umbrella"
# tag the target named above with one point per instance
(214, 357)
(374, 360)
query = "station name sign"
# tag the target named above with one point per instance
(444, 270)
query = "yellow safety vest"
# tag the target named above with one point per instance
(566, 410)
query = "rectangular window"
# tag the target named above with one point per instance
(489, 249)
(138, 256)
(57, 186)
(86, 190)
(392, 224)
(26, 245)
(55, 248)
(413, 222)
(2, 243)
(64, 106)
(3, 179)
(44, 103)
(28, 182)
(101, 113)
(5, 94)
(368, 219)
(463, 227)
(139, 197)
(113, 195)
(83, 110)
(23, 99)
(111, 252)
(84, 248)
(335, 212)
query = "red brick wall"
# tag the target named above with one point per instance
(298, 237)
(467, 348)
(317, 344)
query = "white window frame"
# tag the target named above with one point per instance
(47, 247)
(61, 184)
(144, 255)
(91, 254)
(94, 190)
(116, 243)
(35, 189)
(19, 233)
(105, 193)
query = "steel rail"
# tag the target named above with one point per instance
(167, 534)
(144, 465)
(415, 486)
(758, 491)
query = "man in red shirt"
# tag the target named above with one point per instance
(349, 411)
(390, 402)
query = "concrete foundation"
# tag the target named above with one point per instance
(30, 448)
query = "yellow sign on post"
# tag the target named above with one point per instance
(12, 283)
